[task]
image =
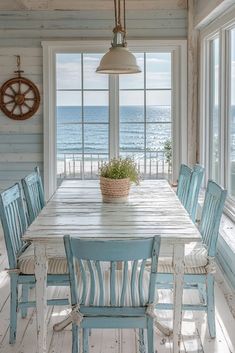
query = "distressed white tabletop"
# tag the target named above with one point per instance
(77, 209)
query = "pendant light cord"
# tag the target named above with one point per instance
(115, 12)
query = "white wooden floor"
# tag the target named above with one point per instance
(195, 335)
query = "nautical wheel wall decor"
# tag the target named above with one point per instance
(19, 97)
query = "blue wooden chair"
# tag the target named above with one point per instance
(34, 194)
(184, 184)
(21, 257)
(118, 295)
(200, 258)
(194, 189)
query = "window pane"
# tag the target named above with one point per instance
(131, 137)
(96, 138)
(92, 80)
(69, 107)
(158, 70)
(96, 106)
(232, 119)
(158, 106)
(214, 110)
(136, 80)
(68, 71)
(157, 135)
(131, 106)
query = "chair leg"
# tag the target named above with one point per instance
(150, 336)
(13, 308)
(211, 305)
(25, 298)
(141, 341)
(85, 338)
(75, 339)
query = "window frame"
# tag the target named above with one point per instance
(178, 48)
(219, 28)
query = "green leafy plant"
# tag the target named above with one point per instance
(120, 169)
(168, 151)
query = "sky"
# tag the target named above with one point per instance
(68, 68)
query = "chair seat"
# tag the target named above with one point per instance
(57, 263)
(196, 260)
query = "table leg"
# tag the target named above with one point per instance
(41, 265)
(178, 263)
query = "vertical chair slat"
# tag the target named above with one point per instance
(15, 234)
(133, 283)
(101, 283)
(141, 289)
(11, 237)
(124, 283)
(18, 225)
(92, 282)
(84, 281)
(113, 266)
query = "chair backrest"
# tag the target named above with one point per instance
(194, 189)
(184, 183)
(211, 215)
(121, 261)
(13, 222)
(34, 194)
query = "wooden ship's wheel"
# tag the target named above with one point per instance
(19, 97)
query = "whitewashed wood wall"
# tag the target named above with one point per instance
(21, 33)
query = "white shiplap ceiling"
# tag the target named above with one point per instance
(69, 5)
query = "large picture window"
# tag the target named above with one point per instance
(218, 106)
(90, 118)
(84, 115)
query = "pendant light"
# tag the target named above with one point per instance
(119, 60)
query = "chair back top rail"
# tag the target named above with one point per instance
(34, 194)
(211, 214)
(120, 263)
(13, 222)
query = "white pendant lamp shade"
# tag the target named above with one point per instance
(118, 60)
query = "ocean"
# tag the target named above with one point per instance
(94, 133)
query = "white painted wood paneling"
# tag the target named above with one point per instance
(21, 142)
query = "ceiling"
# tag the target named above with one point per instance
(70, 5)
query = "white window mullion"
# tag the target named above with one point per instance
(227, 106)
(113, 116)
(223, 107)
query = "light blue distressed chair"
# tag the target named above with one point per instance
(194, 189)
(184, 183)
(34, 194)
(21, 257)
(116, 290)
(200, 257)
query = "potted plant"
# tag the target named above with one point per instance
(116, 177)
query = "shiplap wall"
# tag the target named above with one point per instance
(21, 33)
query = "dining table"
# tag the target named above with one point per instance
(77, 209)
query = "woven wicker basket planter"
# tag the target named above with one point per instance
(115, 190)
